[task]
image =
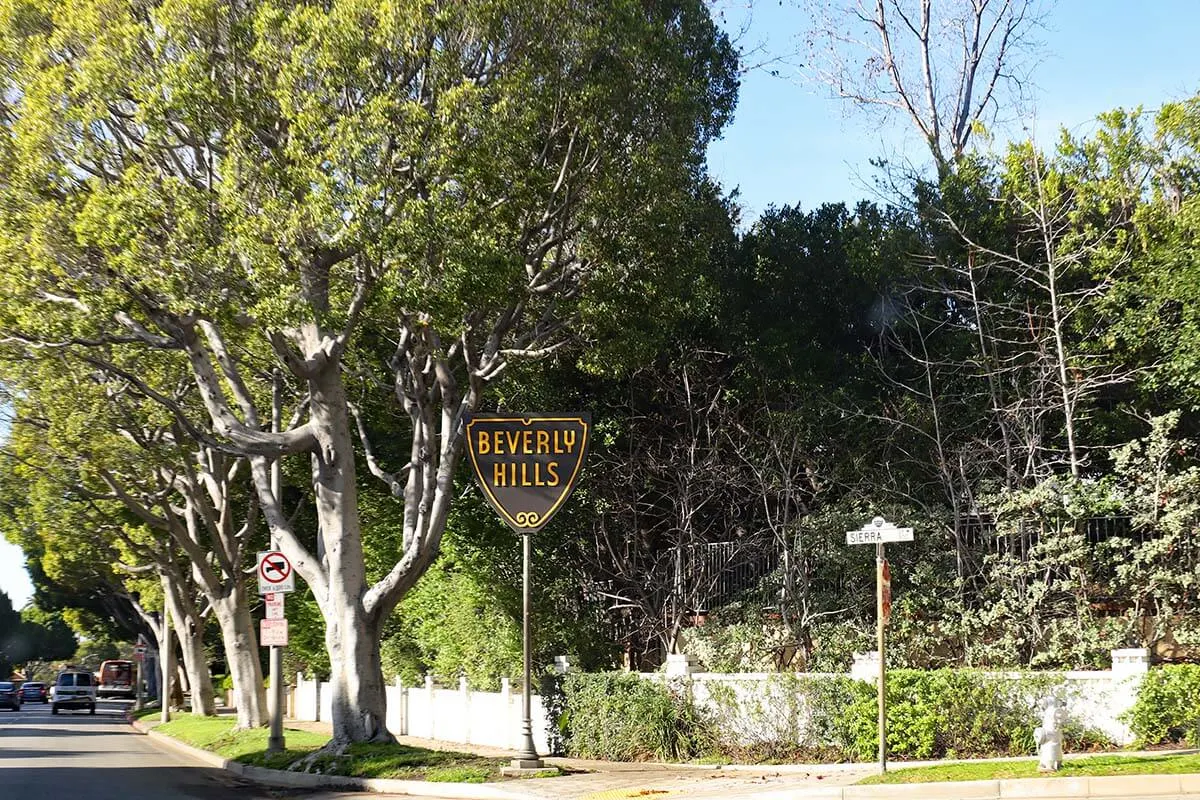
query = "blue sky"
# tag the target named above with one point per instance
(789, 144)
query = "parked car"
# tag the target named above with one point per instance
(73, 689)
(10, 697)
(34, 692)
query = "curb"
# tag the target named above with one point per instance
(277, 777)
(1116, 786)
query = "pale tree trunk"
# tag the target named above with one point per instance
(190, 631)
(351, 634)
(241, 658)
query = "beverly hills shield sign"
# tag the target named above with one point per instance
(527, 464)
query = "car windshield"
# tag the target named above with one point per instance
(33, 686)
(75, 679)
(5, 687)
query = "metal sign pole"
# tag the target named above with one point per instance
(527, 758)
(876, 532)
(526, 466)
(275, 741)
(137, 704)
(882, 691)
(167, 657)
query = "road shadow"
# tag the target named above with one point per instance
(58, 731)
(124, 783)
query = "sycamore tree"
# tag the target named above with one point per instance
(312, 205)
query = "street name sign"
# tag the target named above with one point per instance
(879, 534)
(275, 573)
(273, 633)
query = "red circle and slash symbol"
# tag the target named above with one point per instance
(275, 568)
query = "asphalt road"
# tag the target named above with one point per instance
(83, 757)
(99, 757)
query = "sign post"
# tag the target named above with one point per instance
(275, 578)
(877, 532)
(527, 466)
(139, 655)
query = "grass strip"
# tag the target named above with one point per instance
(1093, 766)
(217, 735)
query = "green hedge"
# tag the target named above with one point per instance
(1167, 709)
(948, 713)
(931, 714)
(620, 717)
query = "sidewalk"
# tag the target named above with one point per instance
(606, 780)
(614, 780)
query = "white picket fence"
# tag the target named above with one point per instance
(462, 715)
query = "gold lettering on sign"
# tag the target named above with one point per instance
(524, 474)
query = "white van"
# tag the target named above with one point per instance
(73, 689)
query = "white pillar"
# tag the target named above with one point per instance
(564, 664)
(506, 704)
(298, 695)
(432, 710)
(865, 667)
(1133, 662)
(402, 704)
(464, 694)
(682, 665)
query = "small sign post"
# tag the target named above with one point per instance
(139, 655)
(877, 532)
(527, 465)
(275, 578)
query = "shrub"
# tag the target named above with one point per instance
(1167, 708)
(621, 717)
(789, 717)
(931, 714)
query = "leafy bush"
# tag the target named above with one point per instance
(949, 712)
(1167, 708)
(621, 717)
(931, 714)
(789, 717)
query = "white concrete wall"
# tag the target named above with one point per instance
(761, 711)
(1093, 699)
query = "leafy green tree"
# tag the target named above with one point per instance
(41, 637)
(295, 201)
(10, 623)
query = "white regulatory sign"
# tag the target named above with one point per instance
(273, 602)
(273, 633)
(275, 573)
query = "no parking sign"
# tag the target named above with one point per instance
(275, 573)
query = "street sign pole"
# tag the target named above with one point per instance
(528, 757)
(275, 741)
(167, 657)
(526, 466)
(882, 692)
(877, 532)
